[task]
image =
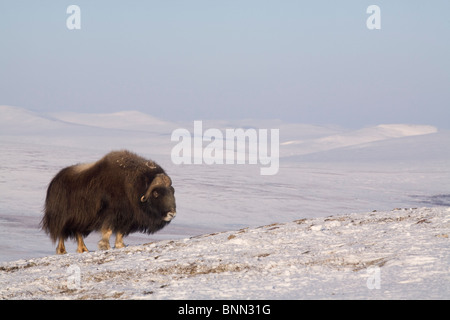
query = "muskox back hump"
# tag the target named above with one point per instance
(79, 168)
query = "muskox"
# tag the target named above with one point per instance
(121, 193)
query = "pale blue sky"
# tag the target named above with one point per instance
(300, 61)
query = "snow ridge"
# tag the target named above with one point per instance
(398, 254)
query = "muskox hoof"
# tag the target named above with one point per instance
(61, 248)
(58, 251)
(119, 245)
(103, 245)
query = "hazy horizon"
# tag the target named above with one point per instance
(183, 61)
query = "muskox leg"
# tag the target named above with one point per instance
(103, 244)
(81, 246)
(119, 241)
(61, 249)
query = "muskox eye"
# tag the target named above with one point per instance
(155, 194)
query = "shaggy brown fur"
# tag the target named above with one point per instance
(120, 193)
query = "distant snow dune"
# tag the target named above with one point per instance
(376, 133)
(359, 137)
(131, 120)
(324, 170)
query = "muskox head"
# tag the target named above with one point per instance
(160, 195)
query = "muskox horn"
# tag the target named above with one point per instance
(161, 180)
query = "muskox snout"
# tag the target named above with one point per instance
(170, 215)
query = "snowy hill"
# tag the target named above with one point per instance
(15, 120)
(127, 120)
(20, 121)
(116, 130)
(356, 138)
(399, 254)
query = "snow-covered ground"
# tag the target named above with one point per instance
(324, 171)
(399, 254)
